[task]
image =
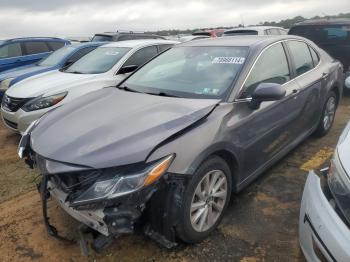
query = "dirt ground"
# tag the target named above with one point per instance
(261, 223)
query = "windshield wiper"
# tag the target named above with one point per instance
(125, 88)
(73, 72)
(162, 94)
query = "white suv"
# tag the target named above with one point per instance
(105, 66)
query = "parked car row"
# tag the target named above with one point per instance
(103, 66)
(158, 134)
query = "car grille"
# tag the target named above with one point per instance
(12, 104)
(10, 123)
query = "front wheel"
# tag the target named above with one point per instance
(205, 200)
(328, 115)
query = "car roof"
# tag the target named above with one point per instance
(124, 33)
(35, 39)
(245, 40)
(325, 21)
(256, 28)
(141, 42)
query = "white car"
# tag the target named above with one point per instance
(105, 66)
(324, 221)
(255, 30)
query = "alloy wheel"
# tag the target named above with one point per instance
(329, 113)
(208, 200)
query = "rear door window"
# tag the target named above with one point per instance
(301, 56)
(11, 50)
(274, 31)
(271, 67)
(36, 47)
(126, 37)
(55, 45)
(142, 56)
(241, 32)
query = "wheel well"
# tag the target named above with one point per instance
(231, 161)
(335, 89)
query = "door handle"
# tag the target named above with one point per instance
(295, 91)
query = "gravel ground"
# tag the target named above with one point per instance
(261, 223)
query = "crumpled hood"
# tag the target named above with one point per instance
(53, 81)
(111, 127)
(344, 149)
(23, 70)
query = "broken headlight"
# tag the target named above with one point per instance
(115, 184)
(339, 184)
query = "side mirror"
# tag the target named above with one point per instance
(347, 82)
(127, 69)
(266, 92)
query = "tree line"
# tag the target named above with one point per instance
(287, 23)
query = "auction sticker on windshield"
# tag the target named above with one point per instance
(228, 60)
(113, 53)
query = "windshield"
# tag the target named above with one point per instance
(98, 61)
(324, 34)
(193, 72)
(102, 38)
(241, 32)
(57, 56)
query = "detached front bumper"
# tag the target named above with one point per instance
(323, 234)
(92, 218)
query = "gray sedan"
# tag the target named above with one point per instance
(167, 147)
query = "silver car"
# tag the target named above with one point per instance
(325, 209)
(169, 145)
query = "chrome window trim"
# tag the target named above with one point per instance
(236, 99)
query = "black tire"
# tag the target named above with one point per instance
(184, 229)
(322, 130)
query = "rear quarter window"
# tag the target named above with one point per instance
(314, 55)
(36, 47)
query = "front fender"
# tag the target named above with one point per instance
(198, 143)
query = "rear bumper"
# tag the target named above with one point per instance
(321, 230)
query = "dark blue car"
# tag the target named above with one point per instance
(63, 57)
(24, 51)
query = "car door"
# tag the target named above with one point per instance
(139, 58)
(10, 56)
(35, 51)
(309, 81)
(264, 134)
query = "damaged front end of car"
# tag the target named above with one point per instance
(112, 201)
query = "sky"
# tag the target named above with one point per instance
(19, 18)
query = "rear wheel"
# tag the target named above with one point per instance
(205, 200)
(328, 115)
